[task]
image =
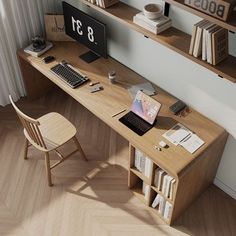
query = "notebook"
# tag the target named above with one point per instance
(142, 116)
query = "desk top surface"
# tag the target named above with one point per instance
(115, 97)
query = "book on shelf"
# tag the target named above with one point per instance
(167, 210)
(168, 186)
(162, 205)
(143, 163)
(197, 50)
(194, 31)
(145, 190)
(164, 184)
(159, 203)
(156, 176)
(220, 46)
(172, 189)
(155, 26)
(156, 201)
(161, 176)
(204, 39)
(209, 41)
(148, 167)
(137, 161)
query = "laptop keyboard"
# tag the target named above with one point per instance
(135, 123)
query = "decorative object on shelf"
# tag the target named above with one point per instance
(55, 28)
(155, 26)
(209, 41)
(153, 11)
(38, 43)
(217, 8)
(37, 52)
(104, 3)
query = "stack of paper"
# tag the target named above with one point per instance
(180, 135)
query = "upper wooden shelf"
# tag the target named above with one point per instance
(230, 24)
(172, 38)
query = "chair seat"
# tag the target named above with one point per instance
(56, 130)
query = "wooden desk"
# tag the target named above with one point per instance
(193, 172)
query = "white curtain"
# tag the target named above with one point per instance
(20, 20)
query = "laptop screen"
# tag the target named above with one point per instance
(145, 107)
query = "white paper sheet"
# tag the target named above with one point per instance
(192, 143)
(177, 133)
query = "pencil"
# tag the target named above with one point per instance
(118, 113)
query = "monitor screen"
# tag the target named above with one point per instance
(85, 29)
(145, 107)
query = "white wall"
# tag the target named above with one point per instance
(200, 88)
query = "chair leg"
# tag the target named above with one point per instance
(26, 148)
(76, 141)
(48, 170)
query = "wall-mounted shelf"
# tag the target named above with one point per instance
(229, 25)
(172, 38)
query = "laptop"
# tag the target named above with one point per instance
(142, 116)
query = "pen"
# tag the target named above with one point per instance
(118, 113)
(186, 138)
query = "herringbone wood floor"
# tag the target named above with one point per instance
(87, 198)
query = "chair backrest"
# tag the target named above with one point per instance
(31, 126)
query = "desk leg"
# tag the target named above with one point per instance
(36, 84)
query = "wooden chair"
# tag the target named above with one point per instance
(47, 133)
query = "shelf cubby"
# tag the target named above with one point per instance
(153, 194)
(155, 188)
(136, 186)
(137, 172)
(140, 175)
(171, 38)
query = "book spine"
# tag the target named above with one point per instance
(192, 40)
(160, 177)
(163, 28)
(156, 201)
(161, 205)
(155, 182)
(167, 210)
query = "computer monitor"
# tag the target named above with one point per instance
(86, 30)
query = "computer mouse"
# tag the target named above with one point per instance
(48, 59)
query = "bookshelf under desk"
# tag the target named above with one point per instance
(193, 172)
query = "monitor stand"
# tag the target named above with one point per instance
(89, 56)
